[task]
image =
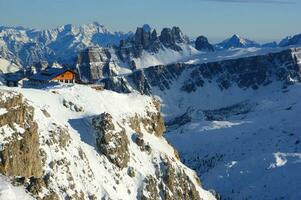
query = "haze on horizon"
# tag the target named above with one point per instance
(261, 20)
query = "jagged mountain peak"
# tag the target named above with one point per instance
(202, 44)
(236, 36)
(147, 28)
(237, 41)
(96, 26)
(291, 40)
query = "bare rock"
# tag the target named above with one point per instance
(111, 140)
(150, 190)
(202, 44)
(20, 156)
(153, 123)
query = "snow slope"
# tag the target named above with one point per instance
(85, 171)
(236, 53)
(252, 154)
(236, 122)
(190, 55)
(10, 192)
(165, 56)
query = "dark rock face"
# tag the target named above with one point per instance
(250, 72)
(171, 37)
(148, 40)
(144, 39)
(202, 44)
(111, 142)
(144, 80)
(141, 83)
(117, 84)
(94, 64)
(224, 113)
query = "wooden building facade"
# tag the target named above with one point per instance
(63, 75)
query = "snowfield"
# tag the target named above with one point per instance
(253, 153)
(10, 192)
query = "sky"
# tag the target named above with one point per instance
(261, 20)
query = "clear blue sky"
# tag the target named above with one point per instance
(256, 19)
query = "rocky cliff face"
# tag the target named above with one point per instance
(148, 40)
(95, 63)
(131, 54)
(111, 140)
(250, 72)
(19, 133)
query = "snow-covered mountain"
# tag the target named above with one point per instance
(291, 40)
(236, 42)
(233, 121)
(83, 48)
(232, 115)
(79, 143)
(60, 44)
(144, 49)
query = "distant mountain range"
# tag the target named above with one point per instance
(94, 47)
(61, 44)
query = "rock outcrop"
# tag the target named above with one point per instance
(148, 40)
(173, 184)
(111, 140)
(20, 154)
(202, 44)
(170, 38)
(95, 63)
(153, 122)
